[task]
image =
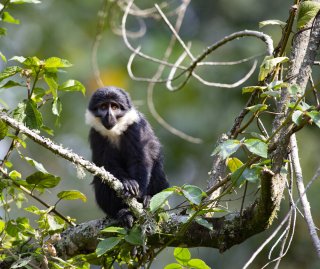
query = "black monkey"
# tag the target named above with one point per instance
(123, 142)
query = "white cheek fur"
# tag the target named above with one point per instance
(113, 134)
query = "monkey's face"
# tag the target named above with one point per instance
(110, 105)
(109, 112)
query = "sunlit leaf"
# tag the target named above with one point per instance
(56, 107)
(268, 65)
(9, 72)
(55, 62)
(197, 264)
(159, 199)
(174, 266)
(250, 89)
(113, 229)
(72, 195)
(258, 107)
(36, 164)
(182, 255)
(14, 174)
(307, 11)
(233, 164)
(72, 85)
(271, 22)
(6, 17)
(25, 1)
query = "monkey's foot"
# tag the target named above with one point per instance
(131, 188)
(146, 201)
(125, 217)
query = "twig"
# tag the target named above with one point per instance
(303, 196)
(135, 207)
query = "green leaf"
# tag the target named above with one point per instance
(243, 173)
(33, 209)
(21, 263)
(272, 22)
(14, 174)
(36, 164)
(33, 118)
(271, 93)
(204, 223)
(257, 147)
(3, 129)
(56, 107)
(3, 57)
(72, 85)
(2, 225)
(51, 81)
(10, 84)
(159, 199)
(297, 117)
(268, 65)
(107, 244)
(227, 148)
(307, 11)
(113, 229)
(182, 255)
(55, 62)
(258, 107)
(25, 1)
(251, 175)
(250, 89)
(295, 90)
(193, 193)
(6, 17)
(72, 195)
(9, 72)
(174, 266)
(53, 223)
(315, 117)
(43, 180)
(233, 164)
(197, 264)
(3, 31)
(135, 236)
(19, 59)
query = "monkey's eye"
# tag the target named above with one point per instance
(114, 107)
(103, 106)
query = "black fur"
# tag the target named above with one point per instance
(134, 156)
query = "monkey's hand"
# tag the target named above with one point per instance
(131, 188)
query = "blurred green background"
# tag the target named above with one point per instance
(67, 29)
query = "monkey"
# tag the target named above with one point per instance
(123, 142)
